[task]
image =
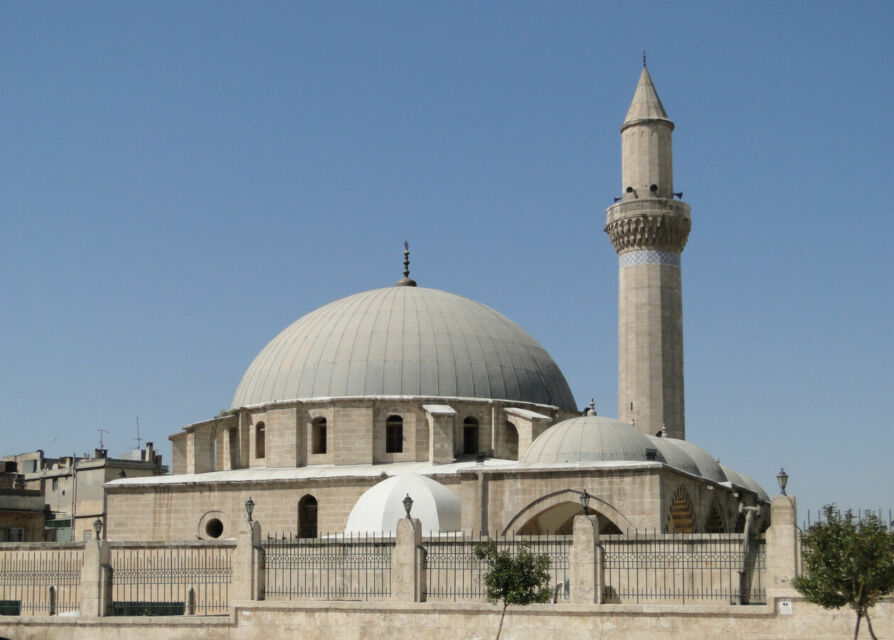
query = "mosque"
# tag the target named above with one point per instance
(409, 390)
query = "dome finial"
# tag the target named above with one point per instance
(591, 408)
(406, 281)
(406, 259)
(644, 58)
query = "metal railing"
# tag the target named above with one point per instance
(333, 567)
(885, 516)
(40, 578)
(455, 573)
(649, 566)
(171, 578)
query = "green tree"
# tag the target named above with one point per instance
(847, 561)
(514, 579)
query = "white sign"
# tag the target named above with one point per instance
(785, 607)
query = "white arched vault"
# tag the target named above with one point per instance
(555, 511)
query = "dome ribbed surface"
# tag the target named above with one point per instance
(404, 341)
(589, 439)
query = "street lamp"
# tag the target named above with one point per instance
(408, 505)
(249, 507)
(585, 501)
(782, 479)
(97, 528)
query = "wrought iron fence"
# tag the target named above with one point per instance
(886, 517)
(455, 573)
(171, 578)
(643, 566)
(334, 567)
(40, 578)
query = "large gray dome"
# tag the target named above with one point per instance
(404, 341)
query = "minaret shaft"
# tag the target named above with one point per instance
(649, 229)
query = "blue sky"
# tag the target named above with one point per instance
(180, 181)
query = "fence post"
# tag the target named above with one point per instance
(96, 580)
(248, 575)
(782, 543)
(587, 577)
(405, 569)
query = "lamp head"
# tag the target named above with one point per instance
(782, 479)
(585, 501)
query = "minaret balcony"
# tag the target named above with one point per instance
(653, 223)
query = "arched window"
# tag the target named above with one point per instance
(470, 436)
(318, 437)
(394, 434)
(511, 435)
(307, 517)
(260, 440)
(233, 446)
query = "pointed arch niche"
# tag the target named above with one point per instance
(715, 522)
(680, 518)
(554, 513)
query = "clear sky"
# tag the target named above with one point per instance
(180, 181)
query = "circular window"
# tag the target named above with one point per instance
(214, 528)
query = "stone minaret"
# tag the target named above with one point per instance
(648, 229)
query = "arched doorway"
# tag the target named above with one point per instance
(559, 519)
(307, 517)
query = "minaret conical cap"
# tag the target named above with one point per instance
(646, 104)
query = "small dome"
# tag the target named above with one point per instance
(404, 341)
(733, 476)
(708, 467)
(674, 455)
(381, 506)
(744, 481)
(590, 439)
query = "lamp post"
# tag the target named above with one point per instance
(585, 501)
(782, 479)
(249, 507)
(97, 529)
(408, 505)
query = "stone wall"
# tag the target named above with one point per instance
(634, 497)
(407, 621)
(355, 433)
(174, 512)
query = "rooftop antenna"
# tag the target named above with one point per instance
(139, 439)
(406, 281)
(102, 431)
